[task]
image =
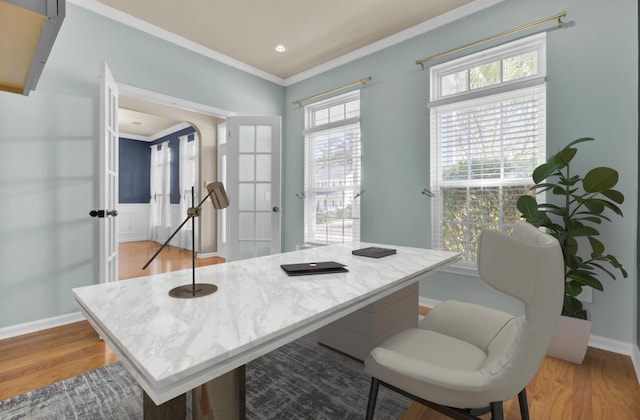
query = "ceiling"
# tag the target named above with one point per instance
(247, 31)
(142, 125)
(314, 32)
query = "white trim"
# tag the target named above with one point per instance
(134, 222)
(635, 358)
(133, 22)
(170, 130)
(609, 344)
(486, 92)
(208, 255)
(39, 325)
(427, 302)
(162, 99)
(156, 136)
(129, 136)
(602, 343)
(419, 29)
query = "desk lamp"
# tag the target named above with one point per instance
(220, 201)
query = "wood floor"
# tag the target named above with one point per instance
(35, 360)
(134, 255)
(604, 387)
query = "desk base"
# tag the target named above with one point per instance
(360, 332)
(171, 410)
(220, 398)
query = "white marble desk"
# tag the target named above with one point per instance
(174, 345)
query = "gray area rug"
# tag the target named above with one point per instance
(300, 380)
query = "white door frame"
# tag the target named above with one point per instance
(137, 93)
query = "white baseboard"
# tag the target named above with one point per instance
(207, 255)
(39, 325)
(635, 358)
(609, 344)
(599, 342)
(427, 302)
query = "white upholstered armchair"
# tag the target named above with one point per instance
(464, 358)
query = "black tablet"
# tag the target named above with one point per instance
(304, 269)
(374, 252)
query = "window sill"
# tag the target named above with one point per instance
(463, 268)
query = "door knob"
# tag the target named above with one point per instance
(276, 209)
(103, 213)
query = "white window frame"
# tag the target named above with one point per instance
(188, 177)
(160, 211)
(348, 192)
(502, 91)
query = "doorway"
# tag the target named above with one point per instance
(179, 116)
(205, 120)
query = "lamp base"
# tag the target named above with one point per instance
(193, 290)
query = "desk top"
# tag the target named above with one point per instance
(173, 345)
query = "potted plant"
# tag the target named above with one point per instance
(579, 205)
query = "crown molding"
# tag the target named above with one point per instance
(422, 28)
(129, 136)
(139, 24)
(419, 29)
(156, 136)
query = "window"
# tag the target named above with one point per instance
(332, 176)
(487, 114)
(188, 179)
(160, 220)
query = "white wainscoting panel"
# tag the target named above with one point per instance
(134, 222)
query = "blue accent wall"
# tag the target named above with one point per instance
(135, 166)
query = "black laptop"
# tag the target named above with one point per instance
(304, 269)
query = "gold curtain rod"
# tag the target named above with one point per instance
(317, 95)
(559, 16)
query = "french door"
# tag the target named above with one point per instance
(249, 162)
(108, 177)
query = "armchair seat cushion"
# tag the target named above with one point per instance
(431, 347)
(427, 363)
(450, 358)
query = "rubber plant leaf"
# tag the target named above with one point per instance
(600, 179)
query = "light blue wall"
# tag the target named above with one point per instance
(48, 141)
(49, 158)
(592, 91)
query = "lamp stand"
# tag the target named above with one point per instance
(194, 289)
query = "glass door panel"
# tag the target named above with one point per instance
(254, 218)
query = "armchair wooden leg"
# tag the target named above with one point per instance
(524, 406)
(496, 411)
(373, 396)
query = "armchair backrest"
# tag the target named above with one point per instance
(529, 266)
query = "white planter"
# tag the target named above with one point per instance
(570, 340)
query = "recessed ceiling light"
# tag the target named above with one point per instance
(281, 48)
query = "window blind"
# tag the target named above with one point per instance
(332, 170)
(485, 153)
